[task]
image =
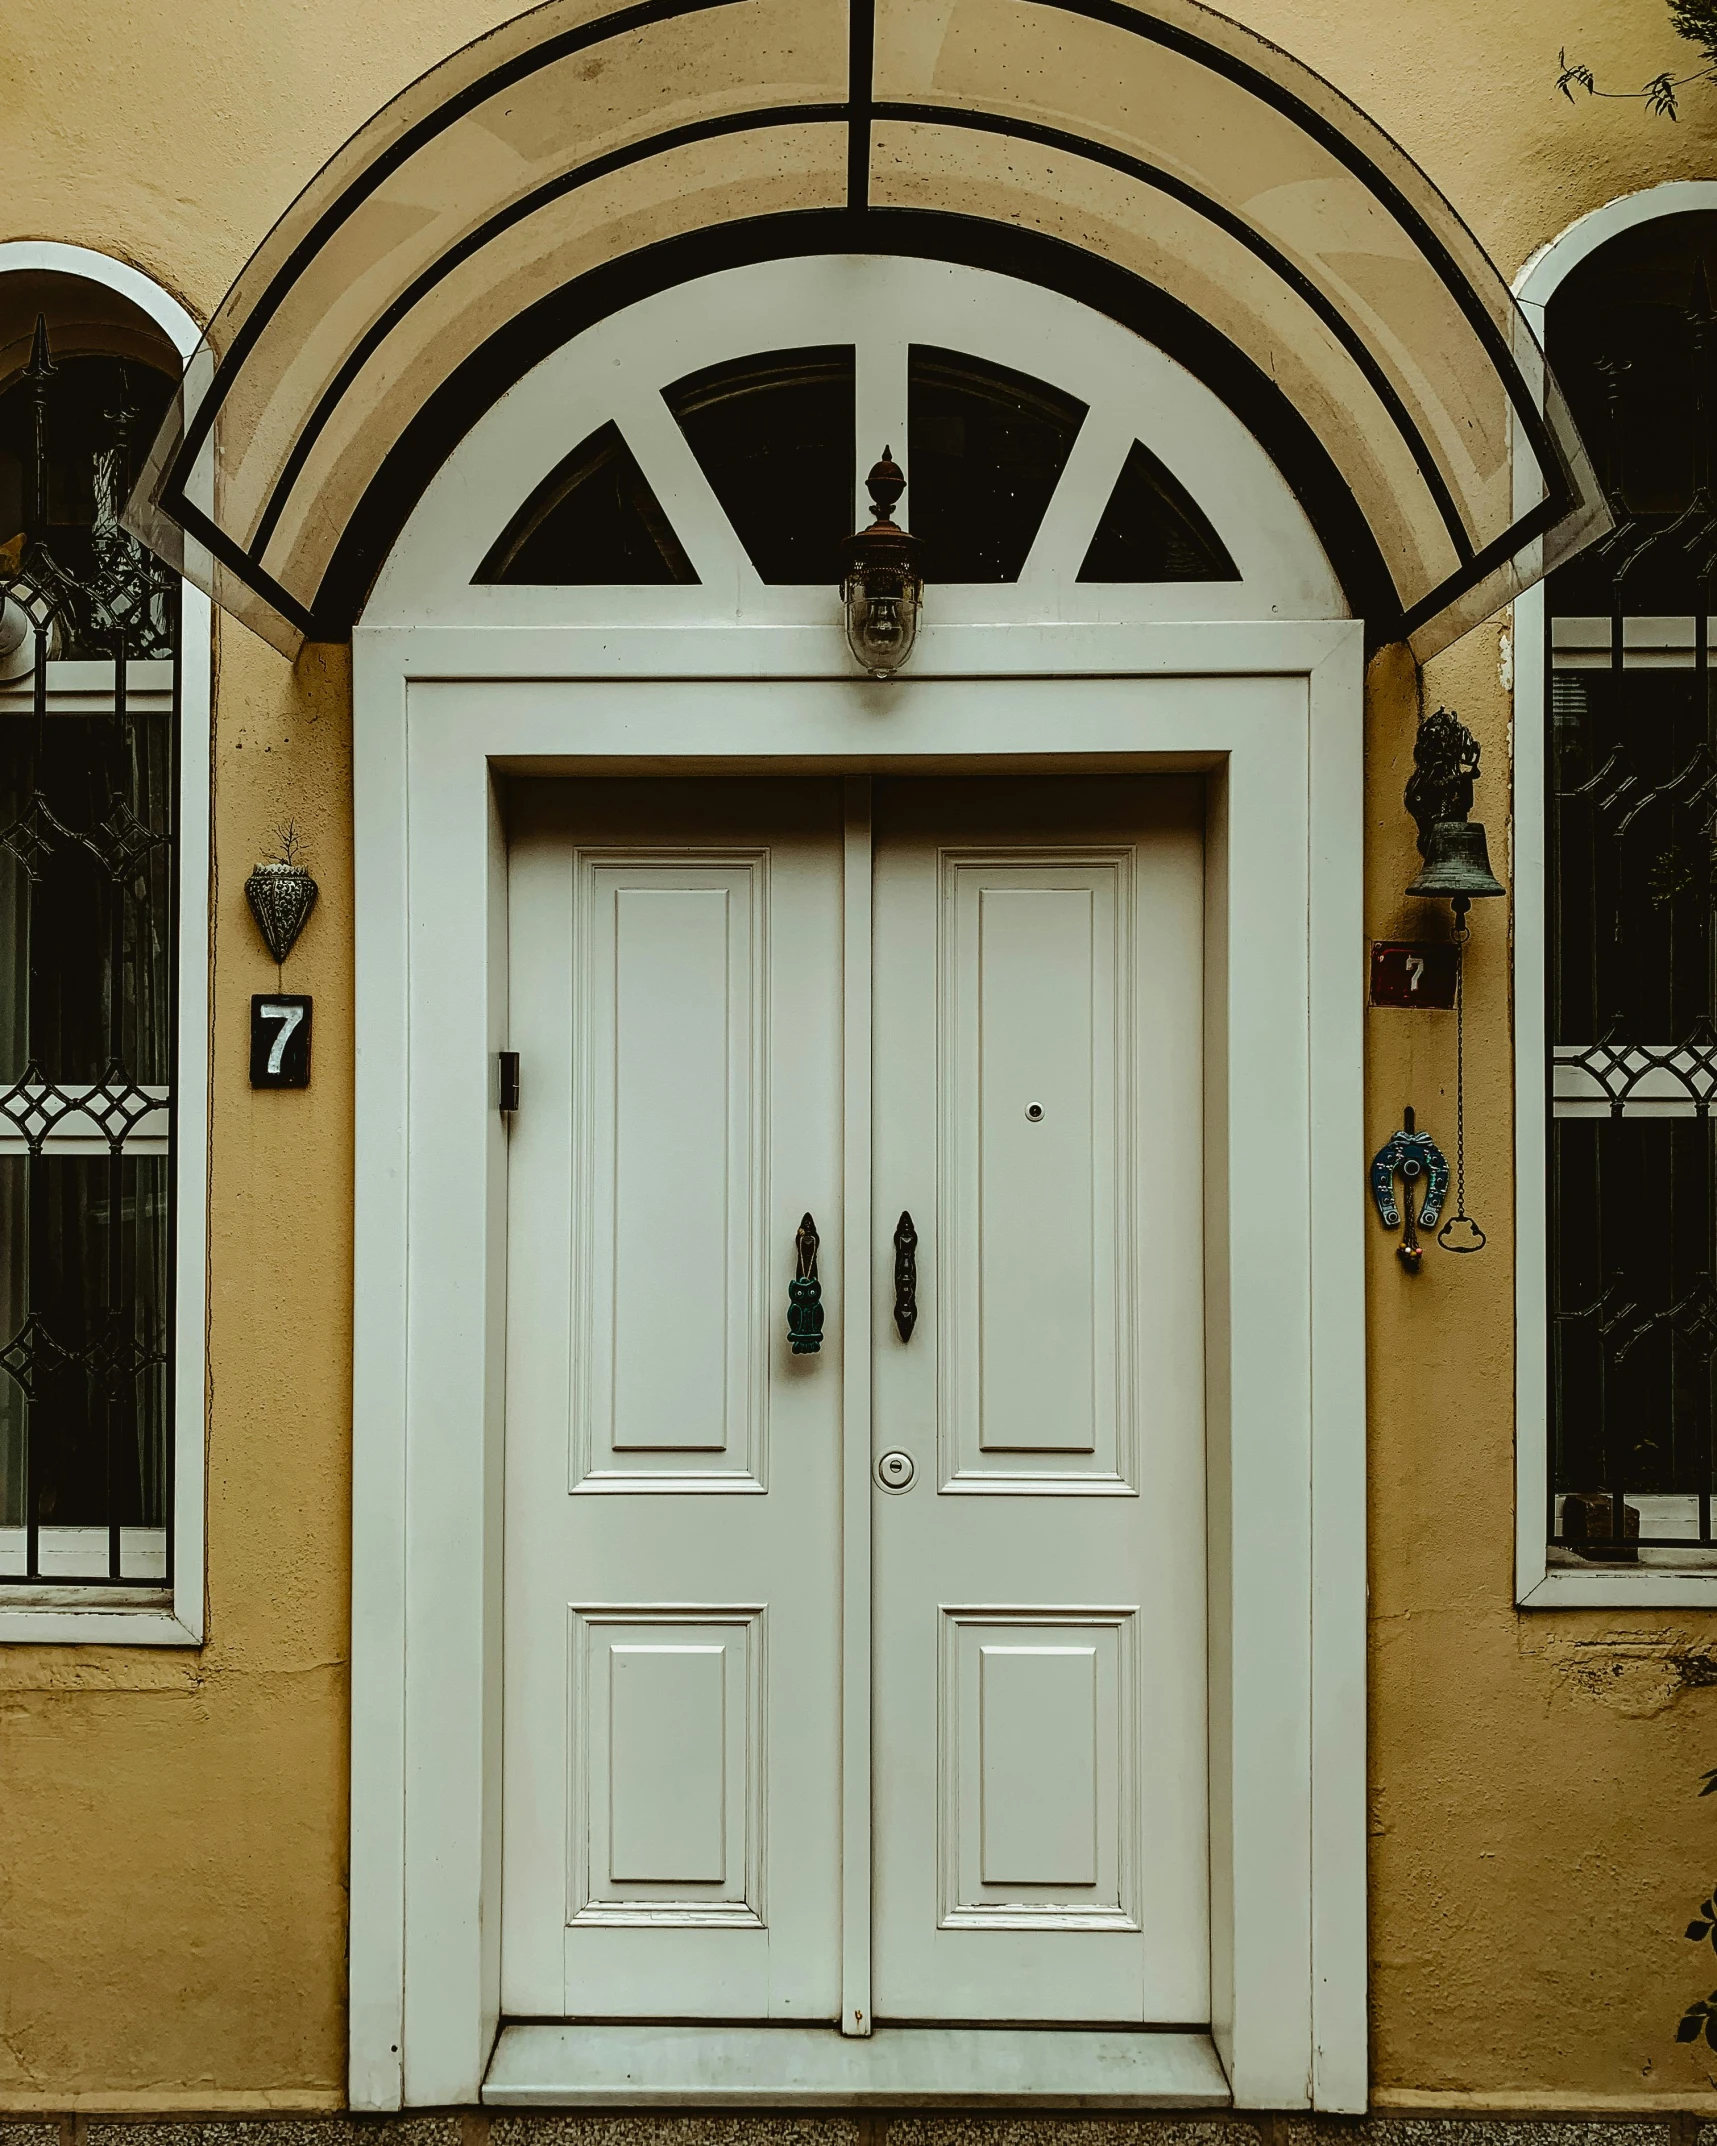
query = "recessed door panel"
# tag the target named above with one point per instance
(667, 1786)
(1034, 989)
(668, 1795)
(1038, 1713)
(671, 1056)
(1037, 1768)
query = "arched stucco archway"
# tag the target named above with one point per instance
(1163, 162)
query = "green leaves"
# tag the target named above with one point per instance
(1699, 2018)
(1573, 76)
(1696, 20)
(1659, 94)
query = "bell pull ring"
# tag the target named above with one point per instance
(805, 1293)
(1420, 1161)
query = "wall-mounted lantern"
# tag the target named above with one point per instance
(882, 583)
(1456, 865)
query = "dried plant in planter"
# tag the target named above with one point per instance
(281, 893)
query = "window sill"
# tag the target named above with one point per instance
(1618, 1587)
(93, 1617)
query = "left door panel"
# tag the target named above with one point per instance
(671, 1826)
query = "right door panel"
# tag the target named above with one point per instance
(1041, 1826)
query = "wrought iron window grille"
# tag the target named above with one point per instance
(1631, 776)
(88, 897)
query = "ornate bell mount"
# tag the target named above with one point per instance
(1456, 865)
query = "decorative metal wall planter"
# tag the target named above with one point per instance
(882, 580)
(281, 895)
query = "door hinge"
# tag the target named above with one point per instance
(507, 1082)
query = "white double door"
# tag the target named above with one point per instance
(681, 1503)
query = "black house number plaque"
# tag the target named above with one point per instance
(279, 1040)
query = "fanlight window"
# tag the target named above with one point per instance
(88, 738)
(987, 448)
(592, 522)
(1631, 809)
(1154, 530)
(774, 436)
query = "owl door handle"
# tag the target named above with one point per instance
(805, 1293)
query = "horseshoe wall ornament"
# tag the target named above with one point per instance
(1419, 1159)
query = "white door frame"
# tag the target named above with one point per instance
(1273, 712)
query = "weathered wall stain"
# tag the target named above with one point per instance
(1640, 1675)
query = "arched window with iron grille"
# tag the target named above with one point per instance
(1630, 818)
(90, 669)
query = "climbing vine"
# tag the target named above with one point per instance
(1700, 2018)
(1696, 20)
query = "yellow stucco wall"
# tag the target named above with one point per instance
(173, 1884)
(172, 1826)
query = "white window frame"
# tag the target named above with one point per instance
(1539, 1584)
(455, 687)
(168, 1616)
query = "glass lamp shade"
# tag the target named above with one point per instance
(882, 584)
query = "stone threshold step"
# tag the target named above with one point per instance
(896, 2067)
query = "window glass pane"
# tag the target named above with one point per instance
(1633, 864)
(100, 416)
(1631, 1336)
(1625, 336)
(774, 436)
(1154, 530)
(84, 1420)
(592, 522)
(86, 893)
(986, 450)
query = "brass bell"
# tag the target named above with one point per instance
(1457, 864)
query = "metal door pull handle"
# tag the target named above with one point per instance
(905, 1276)
(805, 1294)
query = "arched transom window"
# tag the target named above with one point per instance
(701, 455)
